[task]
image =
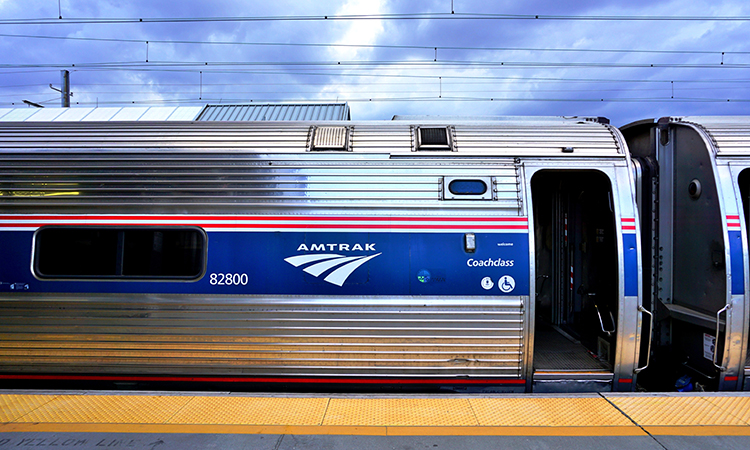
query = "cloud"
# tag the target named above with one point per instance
(483, 67)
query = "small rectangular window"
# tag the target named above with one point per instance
(116, 253)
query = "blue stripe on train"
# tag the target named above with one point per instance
(738, 270)
(630, 253)
(348, 263)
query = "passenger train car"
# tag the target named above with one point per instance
(497, 255)
(693, 188)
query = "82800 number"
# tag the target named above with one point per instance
(228, 279)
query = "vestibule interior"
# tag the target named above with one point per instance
(576, 270)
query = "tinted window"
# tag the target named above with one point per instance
(467, 187)
(117, 253)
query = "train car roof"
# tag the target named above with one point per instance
(730, 134)
(153, 129)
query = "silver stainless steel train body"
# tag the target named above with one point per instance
(694, 196)
(500, 255)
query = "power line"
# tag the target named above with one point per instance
(380, 17)
(221, 100)
(374, 46)
(351, 73)
(422, 90)
(500, 81)
(374, 64)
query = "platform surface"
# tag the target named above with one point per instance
(190, 420)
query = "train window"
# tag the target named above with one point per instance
(119, 253)
(465, 188)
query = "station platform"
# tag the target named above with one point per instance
(187, 420)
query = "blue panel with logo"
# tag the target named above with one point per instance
(318, 263)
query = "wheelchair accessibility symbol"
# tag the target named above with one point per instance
(506, 283)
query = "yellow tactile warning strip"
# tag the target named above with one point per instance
(13, 407)
(399, 412)
(575, 415)
(252, 411)
(689, 414)
(737, 406)
(106, 409)
(671, 411)
(539, 412)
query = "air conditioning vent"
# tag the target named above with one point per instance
(331, 138)
(434, 138)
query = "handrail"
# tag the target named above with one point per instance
(601, 323)
(727, 308)
(650, 338)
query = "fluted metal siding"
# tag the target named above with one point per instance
(216, 182)
(586, 140)
(262, 337)
(516, 139)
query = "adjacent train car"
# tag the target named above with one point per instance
(693, 195)
(494, 255)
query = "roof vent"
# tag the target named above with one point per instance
(434, 138)
(331, 138)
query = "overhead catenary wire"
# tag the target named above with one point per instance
(379, 79)
(373, 64)
(452, 16)
(222, 100)
(423, 90)
(377, 46)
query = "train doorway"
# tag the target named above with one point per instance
(576, 281)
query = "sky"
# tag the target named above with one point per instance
(626, 61)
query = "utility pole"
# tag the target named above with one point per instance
(65, 91)
(65, 88)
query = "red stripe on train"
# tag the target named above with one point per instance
(271, 218)
(258, 380)
(271, 226)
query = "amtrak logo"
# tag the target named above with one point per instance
(321, 263)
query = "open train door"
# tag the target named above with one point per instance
(586, 312)
(698, 248)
